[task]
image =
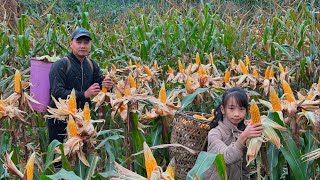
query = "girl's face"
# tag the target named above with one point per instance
(233, 112)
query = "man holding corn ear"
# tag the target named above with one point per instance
(75, 71)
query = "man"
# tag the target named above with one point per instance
(75, 71)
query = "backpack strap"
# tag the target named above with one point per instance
(66, 58)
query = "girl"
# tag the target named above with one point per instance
(229, 134)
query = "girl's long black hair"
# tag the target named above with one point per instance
(241, 98)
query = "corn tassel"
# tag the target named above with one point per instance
(226, 77)
(170, 70)
(274, 99)
(162, 94)
(288, 91)
(86, 112)
(197, 59)
(243, 67)
(72, 103)
(255, 113)
(281, 68)
(17, 82)
(233, 64)
(150, 161)
(247, 61)
(210, 59)
(29, 169)
(132, 81)
(266, 73)
(148, 72)
(72, 128)
(255, 73)
(181, 70)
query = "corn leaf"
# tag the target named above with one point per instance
(203, 163)
(62, 174)
(188, 99)
(50, 153)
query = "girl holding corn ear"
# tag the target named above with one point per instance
(228, 134)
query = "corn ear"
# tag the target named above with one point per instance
(274, 99)
(130, 63)
(255, 112)
(132, 81)
(255, 73)
(138, 65)
(201, 71)
(2, 106)
(247, 61)
(233, 64)
(86, 112)
(162, 94)
(226, 77)
(288, 91)
(150, 161)
(114, 67)
(17, 82)
(28, 171)
(197, 59)
(148, 72)
(171, 168)
(281, 68)
(155, 65)
(181, 70)
(170, 70)
(266, 73)
(72, 128)
(243, 67)
(72, 103)
(271, 73)
(210, 58)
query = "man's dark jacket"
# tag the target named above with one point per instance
(80, 76)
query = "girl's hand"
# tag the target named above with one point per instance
(251, 131)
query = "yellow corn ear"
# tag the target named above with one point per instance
(201, 71)
(155, 65)
(197, 59)
(288, 91)
(266, 73)
(247, 61)
(181, 70)
(255, 72)
(162, 94)
(86, 112)
(132, 81)
(170, 70)
(281, 68)
(243, 67)
(114, 67)
(127, 91)
(210, 58)
(17, 82)
(130, 63)
(72, 128)
(188, 70)
(150, 161)
(118, 95)
(199, 117)
(233, 64)
(171, 168)
(226, 77)
(104, 89)
(72, 103)
(138, 65)
(255, 112)
(274, 99)
(271, 73)
(2, 105)
(148, 72)
(28, 171)
(188, 85)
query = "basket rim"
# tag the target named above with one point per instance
(189, 116)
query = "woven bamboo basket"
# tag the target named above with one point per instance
(192, 133)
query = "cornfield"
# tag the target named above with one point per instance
(164, 57)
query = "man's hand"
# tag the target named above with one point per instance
(94, 89)
(107, 82)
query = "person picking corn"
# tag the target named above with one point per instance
(228, 134)
(75, 71)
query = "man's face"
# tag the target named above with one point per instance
(81, 46)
